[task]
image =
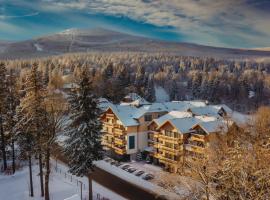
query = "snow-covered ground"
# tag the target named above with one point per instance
(16, 187)
(38, 47)
(161, 95)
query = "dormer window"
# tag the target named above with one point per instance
(147, 118)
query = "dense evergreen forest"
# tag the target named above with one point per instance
(242, 84)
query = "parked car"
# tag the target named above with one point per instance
(131, 170)
(117, 164)
(114, 162)
(139, 173)
(148, 177)
(124, 167)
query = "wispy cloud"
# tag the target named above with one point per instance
(211, 22)
(203, 21)
(18, 16)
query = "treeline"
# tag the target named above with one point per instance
(242, 84)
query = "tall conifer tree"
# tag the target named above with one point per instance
(84, 143)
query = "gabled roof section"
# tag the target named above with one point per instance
(125, 114)
(209, 110)
(182, 125)
(215, 126)
(172, 115)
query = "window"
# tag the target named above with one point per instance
(131, 142)
(148, 118)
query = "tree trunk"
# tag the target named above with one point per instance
(30, 175)
(41, 174)
(3, 145)
(13, 157)
(90, 188)
(47, 174)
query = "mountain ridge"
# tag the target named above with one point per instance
(104, 40)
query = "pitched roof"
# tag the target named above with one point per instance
(183, 125)
(215, 126)
(125, 114)
(209, 110)
(171, 115)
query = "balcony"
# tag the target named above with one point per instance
(120, 151)
(110, 115)
(169, 139)
(108, 124)
(173, 151)
(119, 141)
(119, 126)
(106, 143)
(165, 160)
(156, 145)
(118, 131)
(155, 135)
(197, 137)
(194, 148)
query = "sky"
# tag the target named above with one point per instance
(223, 23)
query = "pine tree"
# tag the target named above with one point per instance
(3, 105)
(174, 91)
(84, 143)
(33, 108)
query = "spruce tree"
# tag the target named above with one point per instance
(84, 143)
(3, 110)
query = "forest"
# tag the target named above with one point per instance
(242, 84)
(33, 106)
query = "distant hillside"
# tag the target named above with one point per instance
(75, 40)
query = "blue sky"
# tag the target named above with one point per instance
(226, 23)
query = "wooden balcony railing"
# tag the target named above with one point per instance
(174, 151)
(118, 150)
(119, 141)
(194, 148)
(165, 160)
(197, 137)
(109, 115)
(118, 131)
(169, 139)
(108, 124)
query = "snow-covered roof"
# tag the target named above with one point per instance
(183, 125)
(215, 126)
(209, 110)
(125, 113)
(129, 114)
(172, 115)
(103, 103)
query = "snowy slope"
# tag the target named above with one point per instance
(161, 95)
(16, 187)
